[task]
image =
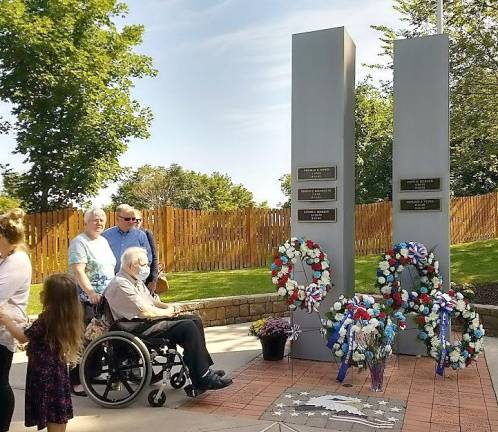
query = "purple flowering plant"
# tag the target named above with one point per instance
(274, 326)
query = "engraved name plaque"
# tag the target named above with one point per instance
(427, 204)
(316, 215)
(420, 184)
(317, 194)
(317, 173)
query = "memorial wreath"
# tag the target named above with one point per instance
(360, 330)
(393, 263)
(300, 296)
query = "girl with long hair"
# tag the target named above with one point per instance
(54, 340)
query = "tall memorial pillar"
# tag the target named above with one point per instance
(323, 181)
(421, 168)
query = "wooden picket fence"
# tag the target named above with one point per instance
(203, 240)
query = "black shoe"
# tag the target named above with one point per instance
(212, 381)
(78, 393)
(219, 372)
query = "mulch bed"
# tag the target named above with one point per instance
(486, 294)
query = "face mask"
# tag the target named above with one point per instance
(143, 273)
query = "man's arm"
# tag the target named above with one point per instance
(154, 265)
(144, 242)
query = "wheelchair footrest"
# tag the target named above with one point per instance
(191, 391)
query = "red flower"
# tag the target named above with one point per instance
(451, 293)
(310, 244)
(386, 296)
(430, 269)
(402, 325)
(284, 279)
(390, 252)
(278, 262)
(321, 256)
(274, 272)
(315, 280)
(420, 320)
(425, 298)
(470, 349)
(316, 266)
(382, 315)
(349, 306)
(392, 261)
(395, 284)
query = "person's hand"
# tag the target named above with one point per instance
(152, 286)
(94, 297)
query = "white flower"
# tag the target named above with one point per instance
(460, 305)
(282, 291)
(342, 331)
(282, 249)
(338, 317)
(403, 252)
(404, 295)
(292, 306)
(435, 281)
(387, 272)
(325, 265)
(383, 265)
(454, 356)
(398, 256)
(274, 280)
(339, 353)
(400, 268)
(430, 332)
(301, 295)
(358, 356)
(381, 279)
(435, 341)
(466, 337)
(337, 306)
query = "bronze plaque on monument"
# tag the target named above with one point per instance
(420, 184)
(317, 194)
(423, 204)
(316, 215)
(317, 173)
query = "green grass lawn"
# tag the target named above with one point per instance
(471, 263)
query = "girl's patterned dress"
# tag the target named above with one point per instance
(48, 397)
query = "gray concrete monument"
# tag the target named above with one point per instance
(421, 197)
(323, 181)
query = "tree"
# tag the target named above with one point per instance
(286, 188)
(472, 27)
(152, 187)
(374, 137)
(67, 71)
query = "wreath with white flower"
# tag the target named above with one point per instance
(433, 328)
(393, 263)
(360, 330)
(300, 296)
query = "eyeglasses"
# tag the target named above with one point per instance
(138, 219)
(128, 219)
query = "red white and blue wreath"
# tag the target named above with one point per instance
(433, 329)
(393, 263)
(360, 330)
(300, 296)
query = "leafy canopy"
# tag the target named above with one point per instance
(154, 186)
(67, 71)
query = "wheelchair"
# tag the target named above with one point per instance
(117, 367)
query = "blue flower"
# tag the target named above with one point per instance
(478, 333)
(426, 311)
(274, 266)
(402, 245)
(398, 315)
(423, 290)
(390, 278)
(316, 274)
(389, 332)
(423, 335)
(284, 259)
(380, 273)
(368, 355)
(345, 347)
(376, 312)
(389, 301)
(465, 354)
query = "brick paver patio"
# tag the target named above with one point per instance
(462, 401)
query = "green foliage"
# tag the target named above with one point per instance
(472, 27)
(374, 137)
(153, 187)
(67, 71)
(286, 188)
(8, 203)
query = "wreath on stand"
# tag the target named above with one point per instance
(433, 309)
(299, 296)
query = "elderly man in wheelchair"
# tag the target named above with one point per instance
(117, 366)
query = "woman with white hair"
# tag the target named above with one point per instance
(92, 263)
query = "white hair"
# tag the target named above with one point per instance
(132, 256)
(124, 208)
(95, 211)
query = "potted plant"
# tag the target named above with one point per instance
(273, 333)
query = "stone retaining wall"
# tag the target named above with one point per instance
(233, 310)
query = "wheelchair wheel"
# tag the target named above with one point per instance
(152, 398)
(115, 369)
(178, 380)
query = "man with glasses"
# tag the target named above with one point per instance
(125, 234)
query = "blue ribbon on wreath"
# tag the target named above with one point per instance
(334, 337)
(343, 370)
(446, 305)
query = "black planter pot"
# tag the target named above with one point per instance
(273, 347)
